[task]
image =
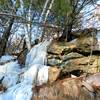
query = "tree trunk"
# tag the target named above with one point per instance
(66, 35)
(48, 11)
(5, 37)
(44, 10)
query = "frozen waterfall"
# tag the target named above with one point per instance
(19, 82)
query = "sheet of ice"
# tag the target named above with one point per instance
(36, 73)
(37, 54)
(10, 67)
(10, 71)
(42, 75)
(6, 58)
(30, 75)
(21, 91)
(10, 80)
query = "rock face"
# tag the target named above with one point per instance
(80, 54)
(54, 73)
(83, 55)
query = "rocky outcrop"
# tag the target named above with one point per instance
(80, 54)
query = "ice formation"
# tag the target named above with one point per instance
(19, 82)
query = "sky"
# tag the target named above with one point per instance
(93, 21)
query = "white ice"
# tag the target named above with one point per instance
(37, 54)
(35, 73)
(10, 80)
(42, 75)
(10, 71)
(21, 91)
(6, 58)
(12, 66)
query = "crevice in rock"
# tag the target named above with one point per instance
(68, 74)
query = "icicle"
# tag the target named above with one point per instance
(37, 54)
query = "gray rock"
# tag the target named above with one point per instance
(54, 62)
(71, 55)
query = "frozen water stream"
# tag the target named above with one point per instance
(19, 82)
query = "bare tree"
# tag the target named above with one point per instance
(7, 29)
(71, 17)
